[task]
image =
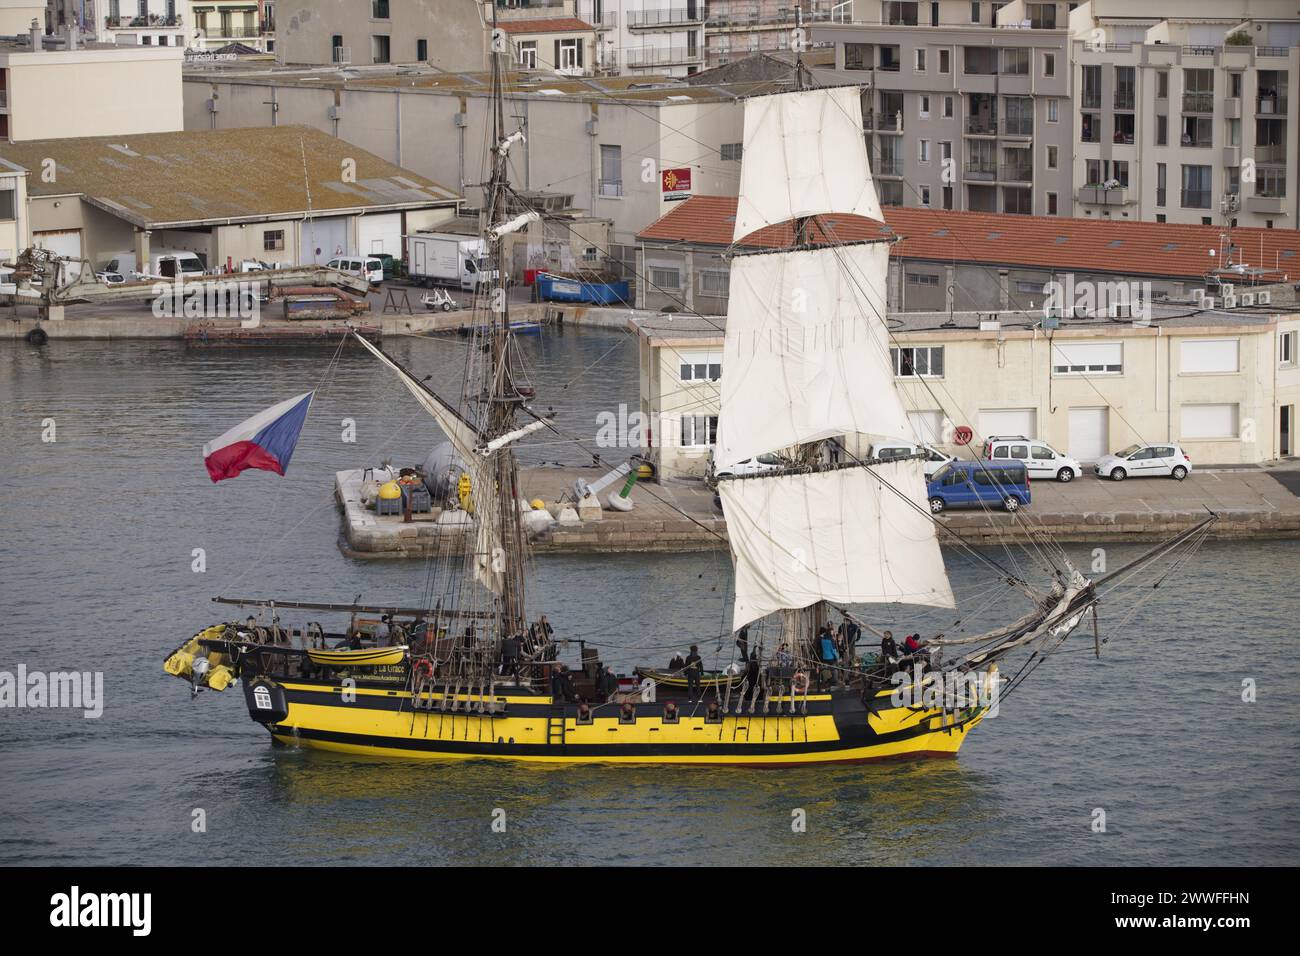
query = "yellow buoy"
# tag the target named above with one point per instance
(389, 490)
(538, 504)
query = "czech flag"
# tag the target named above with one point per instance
(265, 441)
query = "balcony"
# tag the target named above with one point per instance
(1090, 100)
(1016, 173)
(655, 56)
(672, 17)
(1198, 102)
(1194, 199)
(1270, 153)
(152, 21)
(981, 126)
(981, 170)
(1099, 196)
(888, 166)
(1269, 205)
(611, 188)
(1270, 106)
(341, 54)
(883, 122)
(1124, 99)
(1018, 127)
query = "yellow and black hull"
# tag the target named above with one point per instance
(832, 727)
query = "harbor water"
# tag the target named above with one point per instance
(113, 540)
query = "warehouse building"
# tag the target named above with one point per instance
(284, 195)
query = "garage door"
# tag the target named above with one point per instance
(1089, 433)
(64, 242)
(1008, 421)
(323, 239)
(382, 233)
(927, 425)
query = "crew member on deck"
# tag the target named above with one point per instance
(694, 666)
(888, 650)
(510, 656)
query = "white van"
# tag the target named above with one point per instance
(1040, 459)
(889, 450)
(162, 264)
(372, 270)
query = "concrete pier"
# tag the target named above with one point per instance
(1251, 503)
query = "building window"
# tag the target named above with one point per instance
(857, 56)
(379, 9)
(1208, 357)
(924, 101)
(666, 279)
(611, 171)
(1286, 343)
(527, 54)
(924, 361)
(1049, 64)
(947, 107)
(1209, 422)
(732, 152)
(945, 61)
(715, 282)
(921, 278)
(421, 50)
(1052, 111)
(273, 240)
(701, 366)
(1196, 187)
(1088, 358)
(923, 150)
(379, 49)
(974, 13)
(1162, 85)
(568, 54)
(1162, 130)
(699, 431)
(1161, 184)
(1052, 157)
(920, 60)
(1051, 204)
(925, 196)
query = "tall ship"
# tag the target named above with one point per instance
(468, 670)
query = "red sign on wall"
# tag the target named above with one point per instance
(676, 183)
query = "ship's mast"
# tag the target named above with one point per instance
(500, 394)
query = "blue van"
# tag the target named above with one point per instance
(1005, 484)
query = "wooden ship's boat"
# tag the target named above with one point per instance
(473, 674)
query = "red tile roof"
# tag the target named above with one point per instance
(1123, 247)
(546, 25)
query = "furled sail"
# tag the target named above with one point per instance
(804, 155)
(464, 439)
(843, 535)
(806, 354)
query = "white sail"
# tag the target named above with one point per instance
(487, 543)
(806, 354)
(844, 535)
(804, 155)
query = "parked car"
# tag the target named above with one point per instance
(979, 483)
(1144, 460)
(394, 268)
(750, 466)
(934, 459)
(1040, 458)
(110, 278)
(162, 264)
(367, 267)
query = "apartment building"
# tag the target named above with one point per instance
(124, 22)
(647, 37)
(1187, 119)
(736, 29)
(1223, 385)
(448, 34)
(963, 111)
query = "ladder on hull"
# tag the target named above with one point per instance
(556, 728)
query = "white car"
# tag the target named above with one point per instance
(934, 459)
(751, 466)
(1041, 460)
(1144, 460)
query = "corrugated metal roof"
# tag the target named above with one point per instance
(233, 174)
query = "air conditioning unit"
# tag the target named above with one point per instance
(1226, 288)
(1207, 302)
(1248, 298)
(990, 325)
(1197, 296)
(1264, 298)
(1229, 301)
(336, 112)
